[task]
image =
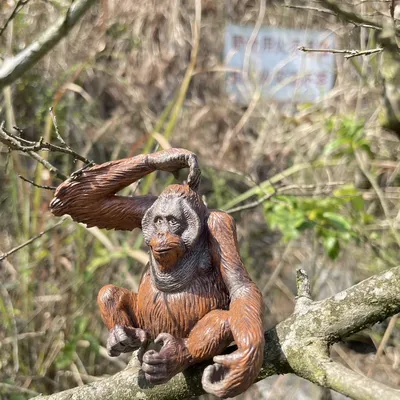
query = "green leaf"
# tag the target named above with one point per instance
(81, 325)
(358, 203)
(306, 225)
(337, 221)
(336, 144)
(346, 190)
(364, 146)
(332, 246)
(66, 356)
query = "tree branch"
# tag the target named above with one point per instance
(323, 11)
(14, 67)
(350, 53)
(356, 386)
(349, 16)
(300, 344)
(31, 240)
(14, 143)
(18, 7)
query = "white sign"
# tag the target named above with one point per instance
(275, 67)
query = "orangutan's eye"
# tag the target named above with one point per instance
(173, 222)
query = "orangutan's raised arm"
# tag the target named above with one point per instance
(245, 310)
(90, 197)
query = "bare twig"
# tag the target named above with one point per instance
(17, 143)
(19, 138)
(251, 205)
(379, 194)
(53, 188)
(391, 8)
(355, 21)
(275, 274)
(383, 343)
(59, 137)
(13, 324)
(22, 336)
(349, 16)
(351, 53)
(324, 189)
(79, 171)
(321, 10)
(18, 7)
(13, 143)
(20, 389)
(31, 240)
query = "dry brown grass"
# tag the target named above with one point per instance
(112, 79)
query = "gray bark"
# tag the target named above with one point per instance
(299, 344)
(13, 68)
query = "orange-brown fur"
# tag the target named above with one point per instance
(178, 313)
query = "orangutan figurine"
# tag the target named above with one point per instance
(196, 296)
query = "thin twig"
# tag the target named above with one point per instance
(324, 189)
(17, 9)
(391, 8)
(12, 143)
(31, 240)
(42, 145)
(275, 274)
(22, 336)
(14, 388)
(380, 195)
(251, 205)
(59, 137)
(349, 16)
(15, 143)
(351, 53)
(79, 171)
(355, 21)
(321, 10)
(13, 324)
(21, 139)
(382, 344)
(53, 188)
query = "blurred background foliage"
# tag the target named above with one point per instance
(310, 185)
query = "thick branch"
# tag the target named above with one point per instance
(299, 344)
(14, 67)
(341, 379)
(370, 301)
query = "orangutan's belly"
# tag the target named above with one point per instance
(177, 313)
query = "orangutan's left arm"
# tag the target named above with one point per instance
(246, 305)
